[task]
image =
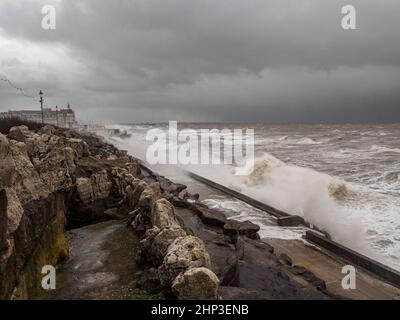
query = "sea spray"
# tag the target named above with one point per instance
(356, 198)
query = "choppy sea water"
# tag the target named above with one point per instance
(345, 179)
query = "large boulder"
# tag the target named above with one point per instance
(19, 177)
(148, 197)
(156, 243)
(163, 215)
(209, 216)
(85, 190)
(184, 253)
(38, 144)
(97, 187)
(47, 130)
(79, 146)
(146, 204)
(133, 193)
(196, 284)
(101, 185)
(57, 169)
(19, 133)
(121, 179)
(247, 228)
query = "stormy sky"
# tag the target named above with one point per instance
(268, 61)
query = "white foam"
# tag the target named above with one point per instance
(381, 149)
(298, 191)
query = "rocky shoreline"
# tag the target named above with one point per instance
(52, 179)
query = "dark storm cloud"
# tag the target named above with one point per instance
(206, 60)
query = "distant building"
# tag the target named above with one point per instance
(64, 118)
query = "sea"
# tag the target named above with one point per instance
(343, 179)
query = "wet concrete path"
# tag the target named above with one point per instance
(101, 266)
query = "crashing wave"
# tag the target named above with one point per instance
(261, 167)
(339, 190)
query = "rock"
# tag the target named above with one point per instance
(194, 197)
(15, 210)
(160, 243)
(149, 281)
(184, 253)
(208, 216)
(3, 220)
(97, 187)
(178, 202)
(149, 196)
(47, 129)
(113, 214)
(57, 169)
(144, 220)
(133, 168)
(55, 174)
(25, 178)
(132, 195)
(196, 284)
(120, 180)
(131, 216)
(7, 166)
(17, 133)
(236, 293)
(164, 215)
(79, 146)
(101, 185)
(298, 270)
(285, 259)
(246, 228)
(309, 276)
(85, 190)
(183, 194)
(170, 187)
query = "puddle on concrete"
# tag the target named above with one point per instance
(101, 266)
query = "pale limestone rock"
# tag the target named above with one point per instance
(57, 169)
(149, 196)
(98, 187)
(134, 191)
(19, 133)
(147, 200)
(101, 185)
(184, 253)
(196, 284)
(6, 162)
(121, 178)
(26, 180)
(14, 210)
(85, 190)
(79, 146)
(47, 129)
(161, 241)
(163, 215)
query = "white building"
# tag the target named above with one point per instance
(64, 118)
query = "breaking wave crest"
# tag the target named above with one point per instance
(300, 191)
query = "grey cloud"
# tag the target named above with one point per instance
(208, 60)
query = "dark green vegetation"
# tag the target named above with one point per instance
(8, 123)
